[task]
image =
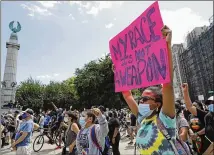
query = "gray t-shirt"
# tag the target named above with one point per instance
(84, 143)
(180, 122)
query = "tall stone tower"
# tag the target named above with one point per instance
(9, 80)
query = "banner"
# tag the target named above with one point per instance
(139, 53)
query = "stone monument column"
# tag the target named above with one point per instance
(9, 80)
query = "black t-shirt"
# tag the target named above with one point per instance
(133, 120)
(208, 118)
(186, 114)
(113, 123)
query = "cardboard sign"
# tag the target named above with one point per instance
(201, 97)
(139, 53)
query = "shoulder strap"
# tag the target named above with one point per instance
(163, 130)
(94, 139)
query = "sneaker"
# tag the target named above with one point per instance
(58, 147)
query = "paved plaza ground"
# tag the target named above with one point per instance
(48, 149)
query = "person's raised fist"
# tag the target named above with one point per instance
(113, 68)
(167, 33)
(96, 112)
(185, 87)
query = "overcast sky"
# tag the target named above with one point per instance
(58, 37)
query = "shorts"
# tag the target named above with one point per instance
(23, 150)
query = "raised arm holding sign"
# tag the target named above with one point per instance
(142, 57)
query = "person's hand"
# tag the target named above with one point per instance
(193, 136)
(71, 147)
(113, 68)
(185, 88)
(113, 140)
(13, 145)
(96, 112)
(167, 33)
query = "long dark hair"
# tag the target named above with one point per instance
(199, 104)
(74, 118)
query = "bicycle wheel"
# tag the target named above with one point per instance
(38, 143)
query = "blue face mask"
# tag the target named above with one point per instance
(24, 115)
(82, 121)
(211, 107)
(144, 111)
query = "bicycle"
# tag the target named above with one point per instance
(60, 134)
(40, 139)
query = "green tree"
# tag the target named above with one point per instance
(29, 94)
(94, 84)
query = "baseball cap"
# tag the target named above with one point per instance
(209, 100)
(29, 111)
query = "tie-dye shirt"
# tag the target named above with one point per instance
(150, 140)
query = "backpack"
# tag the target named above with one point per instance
(106, 150)
(179, 147)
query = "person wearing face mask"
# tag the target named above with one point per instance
(82, 119)
(24, 133)
(204, 116)
(156, 114)
(181, 123)
(73, 128)
(85, 141)
(197, 131)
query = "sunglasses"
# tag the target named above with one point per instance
(146, 98)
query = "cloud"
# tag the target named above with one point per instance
(110, 25)
(181, 22)
(72, 17)
(85, 21)
(48, 4)
(93, 8)
(34, 9)
(43, 76)
(47, 76)
(56, 74)
(115, 18)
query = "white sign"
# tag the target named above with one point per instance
(201, 97)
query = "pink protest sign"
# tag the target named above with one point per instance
(139, 52)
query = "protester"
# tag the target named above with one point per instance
(181, 123)
(207, 117)
(85, 142)
(156, 109)
(23, 135)
(197, 132)
(57, 125)
(133, 128)
(73, 129)
(114, 134)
